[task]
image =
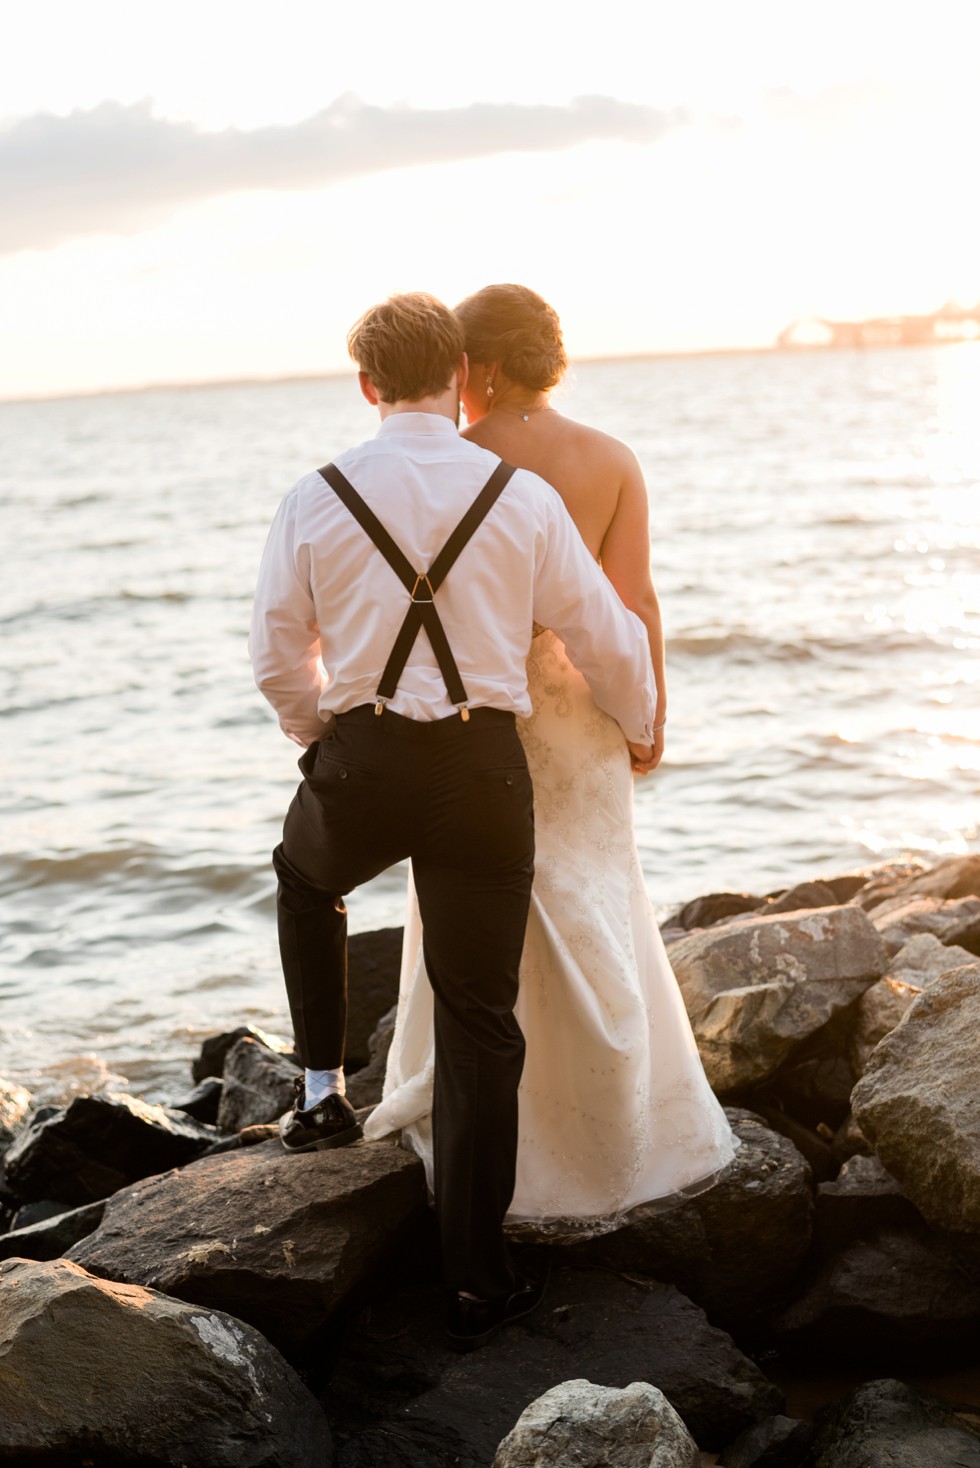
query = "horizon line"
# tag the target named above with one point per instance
(773, 349)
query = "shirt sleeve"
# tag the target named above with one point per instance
(284, 641)
(606, 642)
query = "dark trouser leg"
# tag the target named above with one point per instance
(339, 832)
(474, 913)
(313, 950)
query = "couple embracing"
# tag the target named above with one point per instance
(462, 632)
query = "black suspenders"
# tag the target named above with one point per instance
(420, 585)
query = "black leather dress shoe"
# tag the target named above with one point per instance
(472, 1321)
(330, 1123)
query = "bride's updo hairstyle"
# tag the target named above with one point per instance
(514, 327)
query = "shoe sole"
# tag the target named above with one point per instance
(325, 1144)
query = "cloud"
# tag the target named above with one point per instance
(118, 168)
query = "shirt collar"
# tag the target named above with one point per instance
(436, 425)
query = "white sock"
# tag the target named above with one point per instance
(320, 1083)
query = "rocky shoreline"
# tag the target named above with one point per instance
(175, 1289)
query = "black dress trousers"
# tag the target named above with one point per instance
(456, 797)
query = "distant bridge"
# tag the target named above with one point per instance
(951, 324)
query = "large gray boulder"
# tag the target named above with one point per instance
(756, 989)
(917, 1105)
(733, 1248)
(98, 1144)
(580, 1423)
(258, 1086)
(98, 1372)
(921, 959)
(281, 1241)
(887, 1424)
(52, 1236)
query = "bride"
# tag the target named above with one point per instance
(614, 1106)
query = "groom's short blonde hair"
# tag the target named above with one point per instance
(409, 346)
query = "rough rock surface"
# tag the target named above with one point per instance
(779, 1442)
(365, 1086)
(733, 1248)
(956, 876)
(756, 989)
(803, 895)
(53, 1236)
(886, 1424)
(900, 919)
(373, 963)
(257, 1086)
(702, 912)
(202, 1103)
(890, 1294)
(396, 1380)
(104, 1372)
(580, 1423)
(279, 1240)
(14, 1101)
(99, 1143)
(211, 1061)
(863, 1198)
(916, 1102)
(876, 1014)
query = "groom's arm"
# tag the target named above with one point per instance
(284, 641)
(607, 643)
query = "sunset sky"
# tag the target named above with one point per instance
(193, 193)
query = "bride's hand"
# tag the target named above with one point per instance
(646, 757)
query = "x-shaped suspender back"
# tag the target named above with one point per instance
(420, 585)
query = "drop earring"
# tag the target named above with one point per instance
(489, 388)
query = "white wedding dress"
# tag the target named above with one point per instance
(614, 1106)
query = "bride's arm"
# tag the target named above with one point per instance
(625, 558)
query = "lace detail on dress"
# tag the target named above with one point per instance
(615, 1110)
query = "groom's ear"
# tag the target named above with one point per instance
(368, 389)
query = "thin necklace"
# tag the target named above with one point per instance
(524, 413)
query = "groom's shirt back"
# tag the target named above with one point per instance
(328, 607)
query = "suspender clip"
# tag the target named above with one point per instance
(464, 712)
(379, 707)
(424, 582)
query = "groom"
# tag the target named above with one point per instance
(391, 624)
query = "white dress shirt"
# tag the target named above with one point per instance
(328, 607)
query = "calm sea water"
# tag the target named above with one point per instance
(815, 537)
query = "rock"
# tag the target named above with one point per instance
(249, 1136)
(106, 1372)
(894, 1294)
(876, 1014)
(98, 1144)
(281, 1241)
(257, 1086)
(202, 1103)
(394, 1367)
(846, 887)
(373, 966)
(863, 1199)
(733, 1248)
(365, 1087)
(965, 934)
(29, 1213)
(779, 1442)
(925, 958)
(14, 1101)
(956, 876)
(52, 1236)
(756, 990)
(814, 1085)
(804, 895)
(903, 918)
(816, 1147)
(886, 1424)
(916, 1102)
(211, 1061)
(578, 1422)
(715, 908)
